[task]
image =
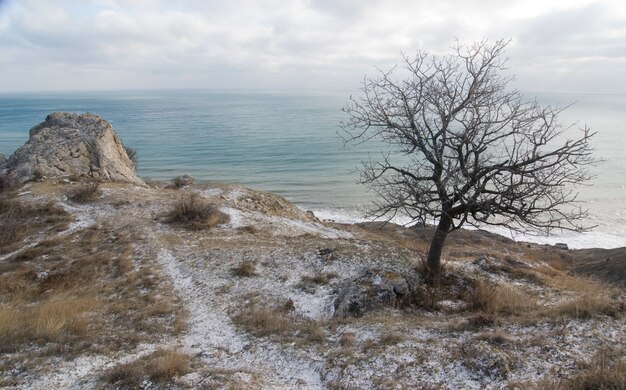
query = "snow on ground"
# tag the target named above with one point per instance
(281, 226)
(213, 336)
(426, 353)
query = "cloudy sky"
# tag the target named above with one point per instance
(570, 45)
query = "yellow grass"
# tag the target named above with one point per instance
(168, 364)
(591, 298)
(499, 299)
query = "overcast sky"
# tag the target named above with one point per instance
(558, 46)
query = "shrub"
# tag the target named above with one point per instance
(167, 364)
(195, 213)
(246, 268)
(279, 320)
(497, 299)
(182, 181)
(161, 366)
(131, 153)
(84, 193)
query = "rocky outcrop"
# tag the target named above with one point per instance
(68, 144)
(3, 161)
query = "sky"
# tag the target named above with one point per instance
(67, 45)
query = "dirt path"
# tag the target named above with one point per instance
(212, 335)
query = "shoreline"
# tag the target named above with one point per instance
(592, 239)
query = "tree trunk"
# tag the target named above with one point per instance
(436, 245)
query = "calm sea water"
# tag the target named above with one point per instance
(288, 144)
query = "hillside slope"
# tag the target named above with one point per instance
(218, 286)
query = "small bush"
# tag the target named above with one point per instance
(84, 193)
(497, 299)
(182, 181)
(279, 321)
(131, 153)
(390, 339)
(161, 366)
(167, 364)
(246, 268)
(347, 339)
(195, 213)
(248, 229)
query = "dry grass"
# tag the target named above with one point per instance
(390, 339)
(591, 298)
(195, 213)
(19, 220)
(280, 322)
(160, 366)
(168, 364)
(587, 306)
(82, 292)
(245, 269)
(84, 193)
(496, 299)
(347, 339)
(57, 317)
(310, 283)
(250, 229)
(605, 371)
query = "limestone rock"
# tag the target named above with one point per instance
(375, 289)
(67, 144)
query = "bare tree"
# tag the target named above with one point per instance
(465, 149)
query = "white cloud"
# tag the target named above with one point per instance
(80, 44)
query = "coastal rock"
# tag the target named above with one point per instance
(375, 289)
(67, 144)
(3, 161)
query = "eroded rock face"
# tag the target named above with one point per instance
(3, 161)
(68, 144)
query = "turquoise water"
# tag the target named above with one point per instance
(288, 144)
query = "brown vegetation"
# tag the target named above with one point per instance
(496, 299)
(161, 366)
(75, 293)
(19, 220)
(83, 193)
(246, 268)
(195, 213)
(278, 322)
(605, 371)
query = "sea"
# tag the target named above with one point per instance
(290, 144)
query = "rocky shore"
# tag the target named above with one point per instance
(107, 281)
